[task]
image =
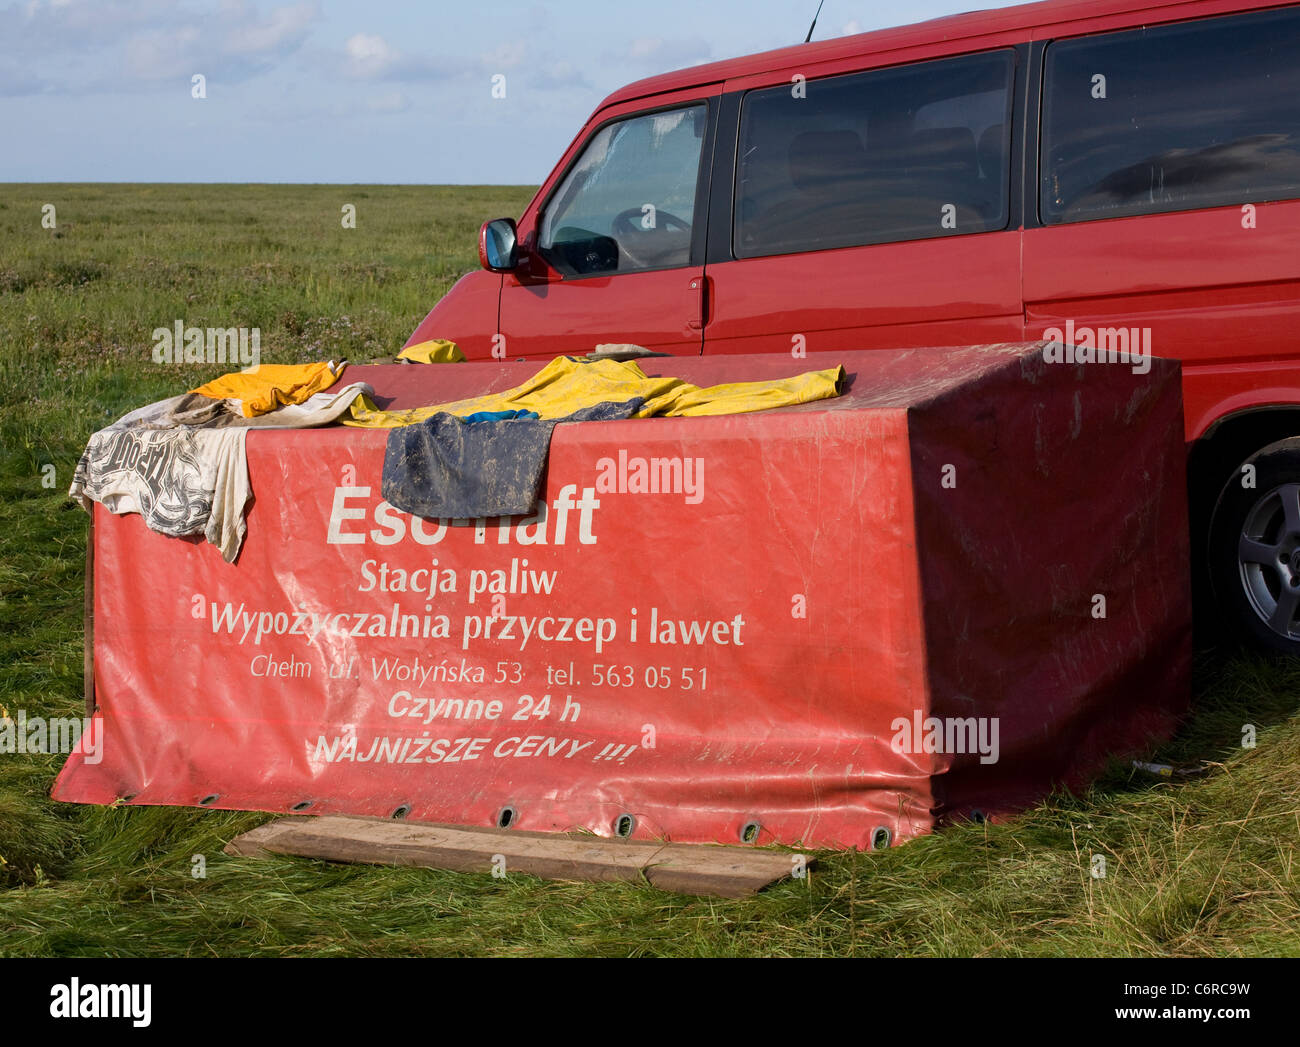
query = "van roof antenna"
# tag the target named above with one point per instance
(808, 38)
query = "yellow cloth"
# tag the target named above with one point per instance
(434, 351)
(565, 385)
(269, 386)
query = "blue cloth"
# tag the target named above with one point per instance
(498, 416)
(454, 469)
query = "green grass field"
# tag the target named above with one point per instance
(1205, 866)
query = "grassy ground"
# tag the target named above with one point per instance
(1200, 867)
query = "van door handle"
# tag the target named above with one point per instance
(699, 291)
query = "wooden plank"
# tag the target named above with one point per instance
(256, 843)
(705, 869)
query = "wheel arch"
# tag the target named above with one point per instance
(1228, 442)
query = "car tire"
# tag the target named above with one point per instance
(1254, 549)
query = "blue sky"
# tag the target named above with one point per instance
(346, 91)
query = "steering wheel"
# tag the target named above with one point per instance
(628, 230)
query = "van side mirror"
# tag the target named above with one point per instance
(498, 245)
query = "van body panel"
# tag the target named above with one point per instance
(470, 310)
(557, 317)
(1212, 395)
(958, 290)
(1199, 288)
(1151, 255)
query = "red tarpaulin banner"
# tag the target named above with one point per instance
(959, 583)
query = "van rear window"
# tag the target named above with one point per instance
(895, 154)
(1200, 114)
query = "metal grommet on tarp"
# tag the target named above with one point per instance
(506, 817)
(209, 800)
(302, 805)
(749, 831)
(881, 838)
(401, 812)
(624, 825)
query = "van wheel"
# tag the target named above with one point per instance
(1255, 548)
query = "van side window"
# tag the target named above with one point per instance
(1201, 114)
(867, 158)
(628, 203)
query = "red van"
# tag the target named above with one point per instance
(1115, 175)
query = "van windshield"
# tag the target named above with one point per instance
(629, 201)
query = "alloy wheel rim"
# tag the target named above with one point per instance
(1268, 559)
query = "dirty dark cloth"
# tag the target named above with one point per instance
(446, 467)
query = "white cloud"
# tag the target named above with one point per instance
(61, 25)
(134, 43)
(368, 56)
(285, 29)
(165, 54)
(852, 28)
(663, 55)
